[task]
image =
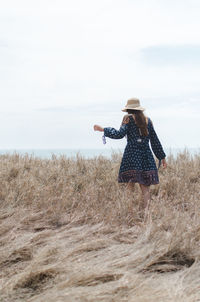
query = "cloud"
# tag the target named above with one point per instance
(66, 61)
(184, 107)
(53, 109)
(103, 108)
(171, 55)
(3, 44)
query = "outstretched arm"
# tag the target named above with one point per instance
(112, 132)
(116, 134)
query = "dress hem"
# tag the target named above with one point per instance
(146, 178)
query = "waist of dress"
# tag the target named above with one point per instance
(138, 145)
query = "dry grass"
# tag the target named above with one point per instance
(70, 232)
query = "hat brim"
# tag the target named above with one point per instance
(137, 108)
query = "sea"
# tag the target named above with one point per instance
(86, 153)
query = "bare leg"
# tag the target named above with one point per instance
(131, 186)
(146, 201)
(146, 196)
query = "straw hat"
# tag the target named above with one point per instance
(133, 104)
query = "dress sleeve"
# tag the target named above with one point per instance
(116, 134)
(155, 143)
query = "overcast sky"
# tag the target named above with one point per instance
(68, 64)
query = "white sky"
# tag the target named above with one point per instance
(68, 64)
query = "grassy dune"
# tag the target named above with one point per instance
(70, 232)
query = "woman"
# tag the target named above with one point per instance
(138, 164)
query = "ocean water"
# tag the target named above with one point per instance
(86, 153)
(48, 153)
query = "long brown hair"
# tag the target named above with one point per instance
(140, 121)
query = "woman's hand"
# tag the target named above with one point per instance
(98, 128)
(164, 164)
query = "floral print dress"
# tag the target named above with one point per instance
(138, 163)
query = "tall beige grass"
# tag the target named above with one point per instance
(70, 232)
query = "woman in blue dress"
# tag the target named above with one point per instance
(137, 164)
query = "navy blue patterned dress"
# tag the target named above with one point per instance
(138, 164)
